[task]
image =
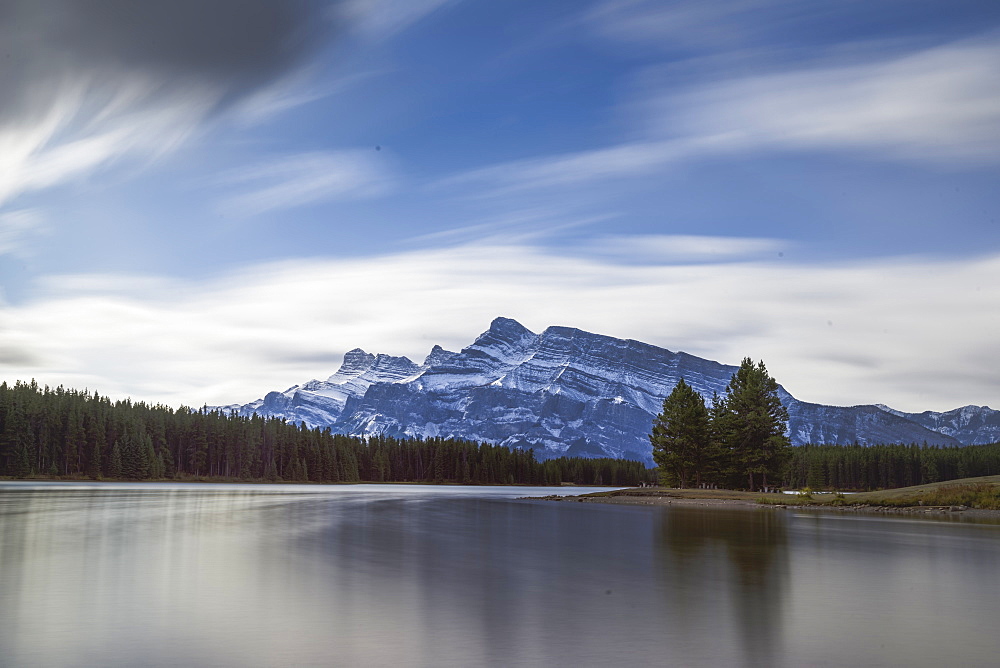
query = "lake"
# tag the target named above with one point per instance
(413, 575)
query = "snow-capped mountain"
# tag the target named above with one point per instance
(971, 425)
(568, 392)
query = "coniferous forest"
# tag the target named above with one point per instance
(864, 468)
(72, 434)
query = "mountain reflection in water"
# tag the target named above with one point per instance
(445, 576)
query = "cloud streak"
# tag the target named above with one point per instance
(941, 105)
(667, 25)
(379, 19)
(16, 227)
(87, 82)
(685, 249)
(908, 332)
(307, 178)
(937, 107)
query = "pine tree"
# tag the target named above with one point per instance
(816, 477)
(95, 447)
(76, 443)
(152, 466)
(198, 450)
(16, 442)
(751, 423)
(136, 452)
(681, 437)
(115, 461)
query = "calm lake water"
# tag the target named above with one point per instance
(212, 575)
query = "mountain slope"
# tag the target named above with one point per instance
(971, 425)
(564, 391)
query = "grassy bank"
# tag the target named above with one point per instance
(981, 493)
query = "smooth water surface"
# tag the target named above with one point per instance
(215, 575)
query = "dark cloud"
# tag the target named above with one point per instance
(12, 356)
(234, 46)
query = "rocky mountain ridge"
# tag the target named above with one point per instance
(568, 392)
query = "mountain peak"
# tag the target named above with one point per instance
(437, 356)
(392, 364)
(888, 409)
(508, 328)
(356, 362)
(506, 340)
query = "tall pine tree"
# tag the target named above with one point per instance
(681, 438)
(751, 423)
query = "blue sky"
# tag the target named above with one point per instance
(199, 205)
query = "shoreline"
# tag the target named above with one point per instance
(650, 500)
(702, 499)
(234, 481)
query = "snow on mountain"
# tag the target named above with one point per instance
(568, 392)
(320, 402)
(971, 425)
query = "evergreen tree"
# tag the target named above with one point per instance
(115, 461)
(76, 443)
(198, 449)
(136, 452)
(816, 477)
(95, 448)
(681, 437)
(16, 442)
(751, 423)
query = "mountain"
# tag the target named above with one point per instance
(970, 425)
(568, 392)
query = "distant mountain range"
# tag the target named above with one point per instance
(569, 392)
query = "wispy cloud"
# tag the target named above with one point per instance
(669, 24)
(16, 227)
(380, 19)
(294, 90)
(307, 178)
(909, 332)
(665, 249)
(523, 225)
(619, 161)
(87, 84)
(74, 136)
(938, 107)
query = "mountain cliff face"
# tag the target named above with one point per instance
(568, 392)
(971, 425)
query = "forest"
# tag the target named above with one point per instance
(60, 433)
(863, 468)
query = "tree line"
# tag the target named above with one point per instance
(737, 441)
(67, 433)
(863, 468)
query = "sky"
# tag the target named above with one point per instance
(204, 202)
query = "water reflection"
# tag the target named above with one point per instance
(411, 576)
(730, 561)
(364, 577)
